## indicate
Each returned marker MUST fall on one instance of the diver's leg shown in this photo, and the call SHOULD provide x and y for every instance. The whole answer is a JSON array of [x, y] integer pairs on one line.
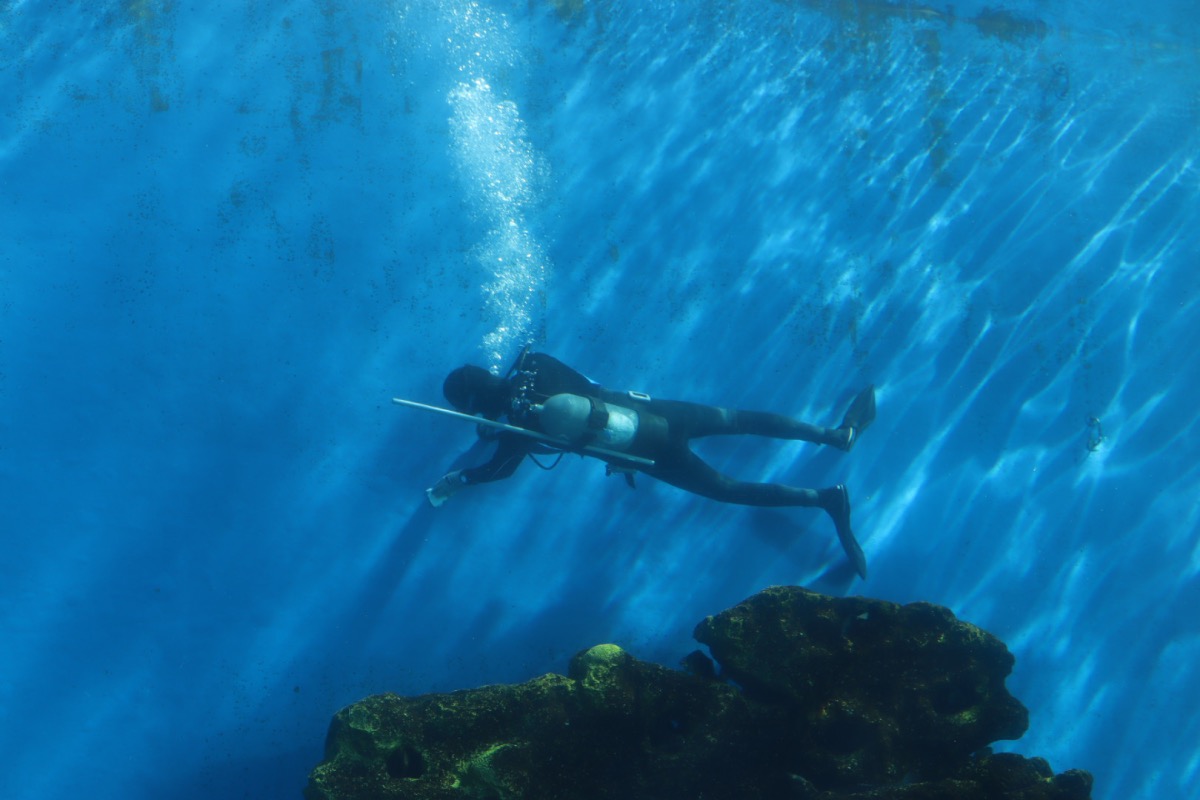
[[694, 421], [777, 426], [689, 472]]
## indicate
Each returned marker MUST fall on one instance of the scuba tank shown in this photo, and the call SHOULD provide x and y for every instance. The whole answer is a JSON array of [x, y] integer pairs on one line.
[[583, 421]]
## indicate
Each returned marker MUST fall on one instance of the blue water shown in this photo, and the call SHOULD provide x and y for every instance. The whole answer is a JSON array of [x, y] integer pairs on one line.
[[230, 233]]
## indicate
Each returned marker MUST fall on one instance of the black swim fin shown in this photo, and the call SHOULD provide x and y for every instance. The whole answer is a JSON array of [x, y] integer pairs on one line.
[[836, 501], [859, 416]]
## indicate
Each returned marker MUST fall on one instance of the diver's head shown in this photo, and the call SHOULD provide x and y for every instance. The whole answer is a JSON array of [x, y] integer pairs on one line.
[[474, 390]]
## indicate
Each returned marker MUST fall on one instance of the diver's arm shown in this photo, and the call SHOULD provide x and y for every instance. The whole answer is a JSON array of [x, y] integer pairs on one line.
[[509, 455]]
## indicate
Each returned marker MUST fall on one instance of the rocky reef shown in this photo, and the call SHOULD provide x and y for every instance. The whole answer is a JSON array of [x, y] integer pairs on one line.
[[816, 698]]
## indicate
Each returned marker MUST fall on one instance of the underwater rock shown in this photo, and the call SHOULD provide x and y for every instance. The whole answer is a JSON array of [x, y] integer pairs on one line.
[[878, 690], [835, 698], [613, 727]]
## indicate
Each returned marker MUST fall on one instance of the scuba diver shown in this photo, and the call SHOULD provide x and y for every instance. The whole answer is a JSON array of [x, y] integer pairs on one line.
[[554, 409]]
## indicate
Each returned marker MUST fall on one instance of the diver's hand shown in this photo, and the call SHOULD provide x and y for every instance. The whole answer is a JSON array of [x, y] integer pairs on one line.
[[444, 489]]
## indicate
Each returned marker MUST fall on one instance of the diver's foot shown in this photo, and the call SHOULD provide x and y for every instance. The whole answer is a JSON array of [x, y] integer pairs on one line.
[[846, 438], [836, 502], [858, 417]]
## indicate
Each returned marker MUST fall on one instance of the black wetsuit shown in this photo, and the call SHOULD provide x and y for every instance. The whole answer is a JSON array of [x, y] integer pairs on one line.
[[538, 376]]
